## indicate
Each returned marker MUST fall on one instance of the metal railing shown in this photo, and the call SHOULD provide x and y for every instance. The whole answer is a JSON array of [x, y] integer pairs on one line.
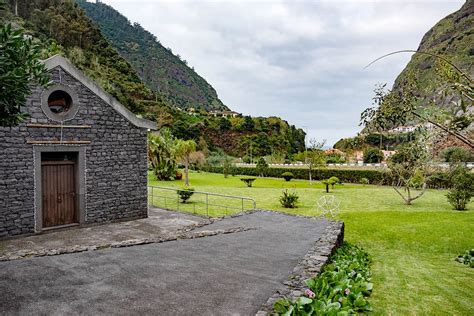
[[202, 203]]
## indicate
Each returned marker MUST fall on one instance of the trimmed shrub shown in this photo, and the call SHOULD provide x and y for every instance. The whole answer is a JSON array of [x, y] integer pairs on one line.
[[364, 181], [185, 193], [287, 176], [334, 180], [289, 199], [248, 181]]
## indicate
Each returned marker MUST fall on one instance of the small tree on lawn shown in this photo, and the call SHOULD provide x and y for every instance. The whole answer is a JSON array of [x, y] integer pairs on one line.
[[184, 148], [227, 165], [315, 156], [408, 168], [261, 167], [330, 182], [462, 190]]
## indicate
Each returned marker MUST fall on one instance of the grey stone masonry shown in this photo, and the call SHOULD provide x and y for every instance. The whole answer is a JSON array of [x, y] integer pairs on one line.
[[115, 160]]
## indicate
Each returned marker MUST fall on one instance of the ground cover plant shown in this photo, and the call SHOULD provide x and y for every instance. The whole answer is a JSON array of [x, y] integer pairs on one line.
[[289, 199], [412, 247], [342, 287], [467, 258]]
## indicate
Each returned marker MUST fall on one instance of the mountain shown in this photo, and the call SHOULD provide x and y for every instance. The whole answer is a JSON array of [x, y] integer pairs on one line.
[[452, 37], [156, 65], [62, 27]]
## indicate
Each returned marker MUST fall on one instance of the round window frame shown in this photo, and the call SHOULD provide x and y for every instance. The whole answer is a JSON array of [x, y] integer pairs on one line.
[[70, 113]]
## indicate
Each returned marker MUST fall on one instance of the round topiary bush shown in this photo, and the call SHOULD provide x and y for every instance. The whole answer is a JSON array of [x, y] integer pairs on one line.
[[185, 193], [287, 176], [364, 181]]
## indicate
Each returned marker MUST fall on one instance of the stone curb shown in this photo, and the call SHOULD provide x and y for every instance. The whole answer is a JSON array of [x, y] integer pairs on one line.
[[309, 267], [184, 233]]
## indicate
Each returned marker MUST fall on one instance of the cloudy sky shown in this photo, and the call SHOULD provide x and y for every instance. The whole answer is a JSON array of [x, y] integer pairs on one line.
[[301, 60]]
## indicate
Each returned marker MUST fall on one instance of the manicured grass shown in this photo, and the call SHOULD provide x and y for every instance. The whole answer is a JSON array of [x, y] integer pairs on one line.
[[413, 247]]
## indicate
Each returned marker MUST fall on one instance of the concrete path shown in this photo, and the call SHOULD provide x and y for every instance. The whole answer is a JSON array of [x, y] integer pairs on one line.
[[227, 274], [159, 223]]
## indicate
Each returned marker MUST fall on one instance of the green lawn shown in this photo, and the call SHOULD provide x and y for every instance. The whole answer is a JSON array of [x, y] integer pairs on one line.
[[413, 247]]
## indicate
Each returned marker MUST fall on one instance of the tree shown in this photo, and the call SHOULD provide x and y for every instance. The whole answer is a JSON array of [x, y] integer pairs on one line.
[[394, 108], [373, 155], [20, 69], [224, 124], [329, 182], [314, 156], [226, 165], [184, 148], [456, 155], [261, 167], [162, 154], [462, 189], [197, 160], [248, 124], [408, 169]]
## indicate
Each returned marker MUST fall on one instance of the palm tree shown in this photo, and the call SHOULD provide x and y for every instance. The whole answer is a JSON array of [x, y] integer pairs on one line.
[[161, 153], [183, 149]]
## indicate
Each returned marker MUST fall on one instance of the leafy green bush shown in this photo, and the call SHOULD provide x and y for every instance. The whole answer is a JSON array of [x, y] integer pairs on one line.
[[341, 288], [457, 154], [287, 176], [373, 155], [467, 258], [289, 199], [462, 189], [364, 181], [248, 181], [185, 193]]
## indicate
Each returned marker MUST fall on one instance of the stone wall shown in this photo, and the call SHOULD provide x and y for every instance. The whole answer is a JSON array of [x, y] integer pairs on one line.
[[116, 161]]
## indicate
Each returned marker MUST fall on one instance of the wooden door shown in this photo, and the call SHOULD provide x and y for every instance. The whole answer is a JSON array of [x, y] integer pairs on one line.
[[58, 193]]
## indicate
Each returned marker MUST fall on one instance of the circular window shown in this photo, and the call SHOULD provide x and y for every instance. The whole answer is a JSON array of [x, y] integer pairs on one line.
[[59, 103]]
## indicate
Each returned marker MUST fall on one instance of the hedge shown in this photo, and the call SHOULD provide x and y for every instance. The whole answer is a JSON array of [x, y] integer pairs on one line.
[[345, 175], [381, 177]]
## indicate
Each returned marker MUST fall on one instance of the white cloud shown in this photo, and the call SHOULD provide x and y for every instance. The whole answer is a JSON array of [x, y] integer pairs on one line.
[[301, 60]]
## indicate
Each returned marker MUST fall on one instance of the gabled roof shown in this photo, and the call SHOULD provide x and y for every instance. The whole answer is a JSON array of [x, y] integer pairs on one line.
[[67, 66]]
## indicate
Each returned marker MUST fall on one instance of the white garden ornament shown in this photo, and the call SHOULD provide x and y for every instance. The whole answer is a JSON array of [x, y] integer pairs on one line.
[[328, 205]]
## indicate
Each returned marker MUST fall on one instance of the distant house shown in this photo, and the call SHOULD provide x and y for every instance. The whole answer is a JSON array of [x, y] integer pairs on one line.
[[334, 151], [192, 111], [410, 128], [80, 158], [226, 114]]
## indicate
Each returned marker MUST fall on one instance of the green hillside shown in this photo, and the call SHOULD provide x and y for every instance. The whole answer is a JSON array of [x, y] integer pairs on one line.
[[452, 37], [62, 27], [158, 67]]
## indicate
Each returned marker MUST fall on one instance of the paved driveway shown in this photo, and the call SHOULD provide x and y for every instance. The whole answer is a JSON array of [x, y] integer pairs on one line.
[[227, 274]]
